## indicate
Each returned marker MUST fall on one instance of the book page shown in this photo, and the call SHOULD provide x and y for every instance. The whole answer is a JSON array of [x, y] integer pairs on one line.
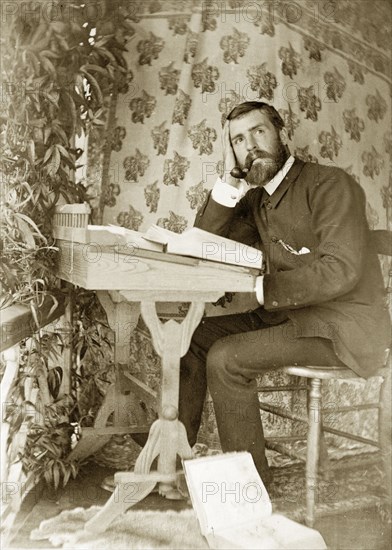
[[117, 235], [207, 246], [226, 490], [275, 531]]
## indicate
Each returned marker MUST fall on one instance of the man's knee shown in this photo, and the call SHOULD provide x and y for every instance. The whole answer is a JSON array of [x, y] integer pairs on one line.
[[218, 360]]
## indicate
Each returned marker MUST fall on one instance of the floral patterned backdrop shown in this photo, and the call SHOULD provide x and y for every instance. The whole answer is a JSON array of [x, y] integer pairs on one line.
[[326, 66]]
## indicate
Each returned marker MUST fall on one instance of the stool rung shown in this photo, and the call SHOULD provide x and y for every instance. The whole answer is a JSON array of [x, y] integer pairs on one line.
[[290, 387], [281, 412], [346, 465], [350, 408], [282, 449], [292, 416], [286, 438], [353, 437]]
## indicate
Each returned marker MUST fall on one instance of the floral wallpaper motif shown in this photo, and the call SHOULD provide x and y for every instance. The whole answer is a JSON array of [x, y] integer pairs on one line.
[[149, 49], [291, 60], [135, 166], [336, 84], [309, 103], [330, 143], [234, 46], [262, 81], [168, 78], [353, 124], [202, 137], [324, 65], [142, 107], [204, 76], [160, 136], [152, 194]]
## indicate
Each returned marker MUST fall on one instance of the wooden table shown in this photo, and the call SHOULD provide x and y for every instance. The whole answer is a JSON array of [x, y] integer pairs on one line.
[[129, 285]]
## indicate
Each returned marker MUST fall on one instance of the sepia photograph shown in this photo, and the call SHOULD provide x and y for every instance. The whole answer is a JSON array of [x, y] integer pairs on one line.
[[196, 274]]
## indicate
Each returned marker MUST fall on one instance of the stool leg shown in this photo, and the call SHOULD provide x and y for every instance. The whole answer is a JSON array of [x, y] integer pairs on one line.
[[385, 435], [312, 458], [324, 462]]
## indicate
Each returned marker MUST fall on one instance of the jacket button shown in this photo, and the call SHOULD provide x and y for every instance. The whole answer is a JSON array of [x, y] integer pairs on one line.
[[268, 205], [274, 239], [274, 303]]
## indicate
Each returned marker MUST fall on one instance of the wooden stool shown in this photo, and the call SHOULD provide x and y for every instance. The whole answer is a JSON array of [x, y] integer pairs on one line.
[[315, 376]]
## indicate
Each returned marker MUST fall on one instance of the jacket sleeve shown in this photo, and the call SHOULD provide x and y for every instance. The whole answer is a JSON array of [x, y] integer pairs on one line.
[[234, 223], [338, 218]]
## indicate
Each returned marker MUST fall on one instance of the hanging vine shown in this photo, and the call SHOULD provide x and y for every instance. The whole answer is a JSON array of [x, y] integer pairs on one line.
[[61, 64]]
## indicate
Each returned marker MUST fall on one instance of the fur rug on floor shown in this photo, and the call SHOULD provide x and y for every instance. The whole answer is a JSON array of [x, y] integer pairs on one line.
[[137, 529], [354, 486]]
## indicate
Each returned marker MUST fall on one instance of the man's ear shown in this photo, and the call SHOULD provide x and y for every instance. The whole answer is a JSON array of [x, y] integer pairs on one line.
[[284, 135]]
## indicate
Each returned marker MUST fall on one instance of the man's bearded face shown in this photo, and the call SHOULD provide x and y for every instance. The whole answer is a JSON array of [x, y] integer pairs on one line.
[[264, 166], [257, 146]]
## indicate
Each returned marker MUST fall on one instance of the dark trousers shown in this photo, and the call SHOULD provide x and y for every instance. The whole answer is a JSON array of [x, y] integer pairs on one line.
[[226, 354]]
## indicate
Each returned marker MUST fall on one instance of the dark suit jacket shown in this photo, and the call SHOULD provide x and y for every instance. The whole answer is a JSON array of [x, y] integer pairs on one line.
[[336, 291]]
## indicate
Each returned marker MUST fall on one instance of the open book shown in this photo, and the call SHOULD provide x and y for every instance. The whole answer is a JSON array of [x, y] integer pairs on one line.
[[208, 246], [193, 242], [234, 509]]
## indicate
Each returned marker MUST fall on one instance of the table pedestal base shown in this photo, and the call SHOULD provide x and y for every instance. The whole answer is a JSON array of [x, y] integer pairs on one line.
[[132, 487], [167, 437]]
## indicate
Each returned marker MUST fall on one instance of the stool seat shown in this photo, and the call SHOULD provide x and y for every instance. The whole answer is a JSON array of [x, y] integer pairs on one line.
[[323, 373], [326, 373]]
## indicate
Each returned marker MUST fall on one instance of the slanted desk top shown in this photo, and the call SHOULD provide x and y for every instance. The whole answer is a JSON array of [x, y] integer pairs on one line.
[[99, 260]]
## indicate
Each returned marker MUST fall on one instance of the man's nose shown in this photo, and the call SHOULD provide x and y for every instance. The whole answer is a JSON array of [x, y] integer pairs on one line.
[[250, 143]]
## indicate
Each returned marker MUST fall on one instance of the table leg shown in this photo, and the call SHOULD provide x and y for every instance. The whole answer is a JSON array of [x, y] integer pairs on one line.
[[167, 437], [122, 318]]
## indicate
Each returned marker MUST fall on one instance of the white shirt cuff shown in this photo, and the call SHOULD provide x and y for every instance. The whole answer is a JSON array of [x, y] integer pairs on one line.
[[226, 194], [259, 289]]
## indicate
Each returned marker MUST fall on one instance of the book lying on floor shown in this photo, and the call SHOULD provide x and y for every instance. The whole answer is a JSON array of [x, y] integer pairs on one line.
[[234, 509], [193, 242]]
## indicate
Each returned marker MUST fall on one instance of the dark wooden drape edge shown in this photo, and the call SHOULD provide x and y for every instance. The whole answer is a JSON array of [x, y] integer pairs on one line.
[[17, 321]]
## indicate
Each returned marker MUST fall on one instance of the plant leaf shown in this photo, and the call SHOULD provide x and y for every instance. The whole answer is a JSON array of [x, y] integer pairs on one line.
[[30, 222], [54, 162], [92, 67], [56, 475], [26, 232], [48, 154]]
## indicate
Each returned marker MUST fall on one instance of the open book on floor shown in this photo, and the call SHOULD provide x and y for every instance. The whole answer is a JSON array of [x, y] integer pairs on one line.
[[234, 509], [193, 242]]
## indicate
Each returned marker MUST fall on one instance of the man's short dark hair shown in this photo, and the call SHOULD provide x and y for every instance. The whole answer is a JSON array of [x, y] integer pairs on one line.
[[248, 106]]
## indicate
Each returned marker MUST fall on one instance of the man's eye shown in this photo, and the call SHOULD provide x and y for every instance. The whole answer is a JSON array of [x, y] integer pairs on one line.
[[238, 140], [259, 131]]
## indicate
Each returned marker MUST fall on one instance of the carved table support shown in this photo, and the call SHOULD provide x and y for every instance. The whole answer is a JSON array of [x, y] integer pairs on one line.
[[167, 436], [122, 318]]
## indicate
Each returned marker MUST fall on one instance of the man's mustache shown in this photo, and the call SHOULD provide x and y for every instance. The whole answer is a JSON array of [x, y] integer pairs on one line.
[[238, 172], [253, 155]]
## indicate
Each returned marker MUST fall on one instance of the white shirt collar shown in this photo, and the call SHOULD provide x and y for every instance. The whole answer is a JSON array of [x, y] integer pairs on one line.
[[273, 184]]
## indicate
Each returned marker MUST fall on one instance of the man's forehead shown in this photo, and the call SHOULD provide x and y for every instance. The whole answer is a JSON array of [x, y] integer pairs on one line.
[[248, 120]]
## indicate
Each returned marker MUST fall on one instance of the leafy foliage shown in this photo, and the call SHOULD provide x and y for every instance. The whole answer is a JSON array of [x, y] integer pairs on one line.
[[59, 71], [93, 371], [57, 76]]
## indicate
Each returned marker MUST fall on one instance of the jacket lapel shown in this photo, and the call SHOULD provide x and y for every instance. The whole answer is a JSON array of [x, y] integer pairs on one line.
[[291, 176]]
